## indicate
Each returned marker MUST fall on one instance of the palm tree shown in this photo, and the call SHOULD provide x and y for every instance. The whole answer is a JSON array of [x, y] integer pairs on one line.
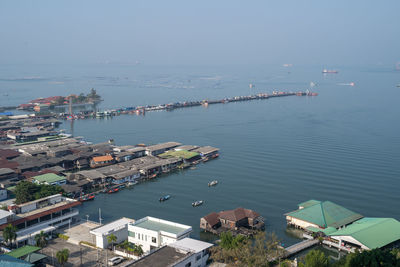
[[10, 233], [112, 239], [41, 239], [138, 251], [62, 256]]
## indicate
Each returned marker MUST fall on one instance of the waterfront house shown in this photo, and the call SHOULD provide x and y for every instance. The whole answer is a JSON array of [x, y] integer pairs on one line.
[[45, 214], [101, 161], [185, 155], [93, 176], [152, 233], [315, 214], [8, 154], [367, 234], [207, 152], [119, 228], [125, 176], [182, 253], [232, 220], [155, 150], [49, 179]]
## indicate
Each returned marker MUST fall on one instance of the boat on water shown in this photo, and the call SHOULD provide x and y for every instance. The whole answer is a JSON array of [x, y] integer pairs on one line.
[[398, 85], [164, 198], [329, 71], [131, 183], [86, 197], [213, 183], [99, 114], [112, 190], [197, 203]]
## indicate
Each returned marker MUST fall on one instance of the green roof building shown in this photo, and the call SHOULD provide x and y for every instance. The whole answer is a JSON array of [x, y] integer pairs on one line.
[[49, 179], [369, 233], [23, 251], [321, 214], [182, 154]]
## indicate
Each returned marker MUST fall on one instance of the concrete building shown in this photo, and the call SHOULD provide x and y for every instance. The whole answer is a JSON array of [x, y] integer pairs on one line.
[[45, 214], [152, 233], [183, 253], [125, 176], [119, 228], [321, 214], [161, 148]]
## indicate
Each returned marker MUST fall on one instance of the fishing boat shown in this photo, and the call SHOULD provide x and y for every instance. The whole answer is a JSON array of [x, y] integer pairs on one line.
[[164, 198], [197, 203], [112, 190], [153, 176], [99, 114], [86, 197], [131, 183], [213, 183]]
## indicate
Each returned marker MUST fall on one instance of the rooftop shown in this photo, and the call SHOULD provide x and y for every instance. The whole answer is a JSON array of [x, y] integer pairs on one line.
[[190, 244], [205, 149], [325, 214], [155, 224], [372, 232], [112, 226], [165, 256], [4, 171], [48, 178], [184, 154], [103, 158], [163, 146], [23, 251], [9, 261]]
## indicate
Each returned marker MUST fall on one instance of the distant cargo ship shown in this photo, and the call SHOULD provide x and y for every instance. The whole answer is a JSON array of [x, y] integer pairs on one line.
[[329, 71]]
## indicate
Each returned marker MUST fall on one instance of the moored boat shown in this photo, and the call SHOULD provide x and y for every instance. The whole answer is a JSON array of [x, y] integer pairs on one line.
[[164, 198], [329, 71], [197, 203], [86, 197], [112, 190]]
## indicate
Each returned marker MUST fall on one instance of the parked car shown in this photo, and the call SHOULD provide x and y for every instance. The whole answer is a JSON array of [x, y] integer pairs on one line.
[[115, 261]]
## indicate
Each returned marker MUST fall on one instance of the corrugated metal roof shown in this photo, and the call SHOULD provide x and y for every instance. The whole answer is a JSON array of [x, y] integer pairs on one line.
[[326, 214], [372, 232], [23, 251], [49, 178]]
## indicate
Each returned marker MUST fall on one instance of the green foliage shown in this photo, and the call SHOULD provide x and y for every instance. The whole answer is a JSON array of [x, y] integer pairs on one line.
[[41, 239], [112, 239], [10, 233], [373, 258], [240, 251], [93, 94], [4, 207], [62, 256], [87, 243], [26, 191], [65, 237], [316, 258]]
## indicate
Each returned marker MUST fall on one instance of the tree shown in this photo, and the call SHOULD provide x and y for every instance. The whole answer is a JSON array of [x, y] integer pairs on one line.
[[24, 192], [10, 233], [138, 251], [376, 258], [316, 258], [112, 239], [41, 239], [62, 256]]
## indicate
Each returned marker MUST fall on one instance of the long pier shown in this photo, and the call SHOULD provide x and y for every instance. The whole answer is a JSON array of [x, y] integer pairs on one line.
[[143, 109]]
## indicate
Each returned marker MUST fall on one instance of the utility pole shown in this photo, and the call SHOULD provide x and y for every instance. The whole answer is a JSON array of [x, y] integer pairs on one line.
[[100, 219]]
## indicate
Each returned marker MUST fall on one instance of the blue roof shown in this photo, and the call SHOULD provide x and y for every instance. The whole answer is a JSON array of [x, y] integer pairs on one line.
[[8, 261]]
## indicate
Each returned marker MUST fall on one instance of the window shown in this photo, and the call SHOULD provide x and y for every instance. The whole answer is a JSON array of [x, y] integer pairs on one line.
[[138, 236], [145, 238], [198, 257], [132, 234], [188, 264], [154, 240]]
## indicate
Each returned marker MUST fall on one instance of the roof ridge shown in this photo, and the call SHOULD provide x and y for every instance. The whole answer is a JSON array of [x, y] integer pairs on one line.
[[371, 225], [323, 213]]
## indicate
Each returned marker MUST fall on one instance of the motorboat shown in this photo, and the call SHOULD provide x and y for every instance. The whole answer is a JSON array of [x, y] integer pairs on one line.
[[197, 203], [213, 183], [164, 198]]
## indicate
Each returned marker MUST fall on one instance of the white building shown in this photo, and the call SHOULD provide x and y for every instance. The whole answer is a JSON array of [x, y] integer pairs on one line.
[[119, 228], [183, 253], [153, 233], [45, 214]]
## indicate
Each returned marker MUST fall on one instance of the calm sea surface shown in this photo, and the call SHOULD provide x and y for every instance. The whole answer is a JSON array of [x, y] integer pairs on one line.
[[342, 145]]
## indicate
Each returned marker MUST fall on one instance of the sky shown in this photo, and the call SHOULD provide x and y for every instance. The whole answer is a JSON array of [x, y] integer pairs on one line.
[[218, 32]]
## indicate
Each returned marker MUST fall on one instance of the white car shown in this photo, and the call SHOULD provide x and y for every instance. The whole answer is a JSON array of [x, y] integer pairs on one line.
[[115, 261]]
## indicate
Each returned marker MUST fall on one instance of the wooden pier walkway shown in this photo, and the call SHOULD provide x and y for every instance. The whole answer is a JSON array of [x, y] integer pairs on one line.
[[289, 251]]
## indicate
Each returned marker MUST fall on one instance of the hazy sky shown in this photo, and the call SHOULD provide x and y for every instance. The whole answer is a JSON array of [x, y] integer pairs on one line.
[[200, 32]]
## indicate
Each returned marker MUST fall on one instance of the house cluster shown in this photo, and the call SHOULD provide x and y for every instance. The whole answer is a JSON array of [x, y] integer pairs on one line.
[[78, 166], [164, 243], [343, 228], [238, 221]]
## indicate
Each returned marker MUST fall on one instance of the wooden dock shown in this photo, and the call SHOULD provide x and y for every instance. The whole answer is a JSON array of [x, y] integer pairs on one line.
[[289, 251]]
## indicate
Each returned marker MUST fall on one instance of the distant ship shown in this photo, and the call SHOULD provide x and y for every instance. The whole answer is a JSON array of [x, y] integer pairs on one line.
[[329, 71]]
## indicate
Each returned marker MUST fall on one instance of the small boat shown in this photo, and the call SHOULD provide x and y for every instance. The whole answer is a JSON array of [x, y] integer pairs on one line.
[[86, 197], [113, 190], [398, 85], [164, 198], [153, 176], [329, 71], [131, 183], [99, 114], [197, 203], [212, 183]]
